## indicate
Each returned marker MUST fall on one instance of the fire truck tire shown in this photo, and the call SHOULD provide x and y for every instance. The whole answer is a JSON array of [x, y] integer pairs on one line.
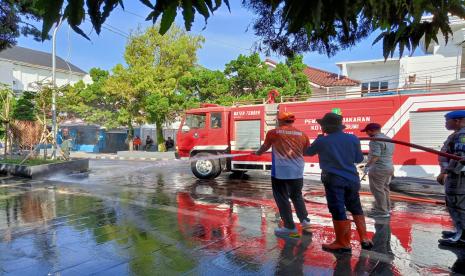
[[206, 169]]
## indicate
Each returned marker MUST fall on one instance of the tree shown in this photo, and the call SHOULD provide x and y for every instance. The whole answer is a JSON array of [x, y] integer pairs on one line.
[[204, 85], [285, 26], [251, 78], [289, 78], [25, 108], [90, 102], [156, 64], [6, 104], [128, 101], [13, 15], [247, 74]]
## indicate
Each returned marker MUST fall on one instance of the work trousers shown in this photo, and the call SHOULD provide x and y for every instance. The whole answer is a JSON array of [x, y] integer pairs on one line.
[[379, 187], [341, 194], [455, 199], [283, 189], [456, 207]]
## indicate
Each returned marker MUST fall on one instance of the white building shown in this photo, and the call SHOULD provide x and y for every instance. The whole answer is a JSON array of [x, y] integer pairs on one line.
[[22, 68], [441, 64]]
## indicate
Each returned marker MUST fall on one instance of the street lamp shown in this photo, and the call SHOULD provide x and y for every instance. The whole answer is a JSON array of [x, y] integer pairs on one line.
[[54, 85]]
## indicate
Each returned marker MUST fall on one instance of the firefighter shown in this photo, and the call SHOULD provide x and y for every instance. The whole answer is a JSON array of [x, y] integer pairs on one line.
[[287, 167], [338, 152], [453, 177], [380, 170]]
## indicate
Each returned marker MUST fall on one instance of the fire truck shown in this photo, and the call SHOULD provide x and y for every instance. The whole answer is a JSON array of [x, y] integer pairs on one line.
[[411, 115]]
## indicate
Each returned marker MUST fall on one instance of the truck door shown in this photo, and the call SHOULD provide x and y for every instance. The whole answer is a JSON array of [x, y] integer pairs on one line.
[[193, 133], [218, 131]]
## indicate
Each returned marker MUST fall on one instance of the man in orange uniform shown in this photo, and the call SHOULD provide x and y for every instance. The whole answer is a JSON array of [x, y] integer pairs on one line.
[[287, 169]]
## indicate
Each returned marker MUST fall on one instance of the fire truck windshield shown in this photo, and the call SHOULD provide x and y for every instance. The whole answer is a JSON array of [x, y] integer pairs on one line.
[[195, 121]]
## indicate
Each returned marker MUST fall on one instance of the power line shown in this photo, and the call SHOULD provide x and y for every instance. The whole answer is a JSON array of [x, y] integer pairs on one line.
[[135, 14], [389, 78], [210, 39], [115, 30]]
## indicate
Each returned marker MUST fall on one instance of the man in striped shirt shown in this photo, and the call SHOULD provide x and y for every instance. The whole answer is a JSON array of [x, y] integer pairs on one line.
[[288, 146]]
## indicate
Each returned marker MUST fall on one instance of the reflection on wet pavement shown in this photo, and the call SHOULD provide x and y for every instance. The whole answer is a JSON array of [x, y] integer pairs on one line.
[[136, 218]]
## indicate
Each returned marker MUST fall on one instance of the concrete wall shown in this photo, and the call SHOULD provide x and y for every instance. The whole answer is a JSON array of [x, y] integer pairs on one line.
[[6, 73], [22, 77], [375, 71], [440, 64]]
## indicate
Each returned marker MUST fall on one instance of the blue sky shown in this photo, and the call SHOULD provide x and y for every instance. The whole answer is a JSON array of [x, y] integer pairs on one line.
[[226, 37]]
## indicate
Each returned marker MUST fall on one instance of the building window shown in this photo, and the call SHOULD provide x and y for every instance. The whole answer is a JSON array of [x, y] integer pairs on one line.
[[374, 87], [383, 86], [365, 87]]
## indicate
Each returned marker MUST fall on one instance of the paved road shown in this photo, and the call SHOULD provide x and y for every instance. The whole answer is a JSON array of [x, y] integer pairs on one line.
[[155, 218]]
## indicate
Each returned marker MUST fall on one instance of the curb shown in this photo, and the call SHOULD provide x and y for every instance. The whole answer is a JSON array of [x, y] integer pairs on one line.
[[129, 158]]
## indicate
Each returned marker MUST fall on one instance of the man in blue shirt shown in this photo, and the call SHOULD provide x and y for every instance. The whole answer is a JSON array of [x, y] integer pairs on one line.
[[338, 152]]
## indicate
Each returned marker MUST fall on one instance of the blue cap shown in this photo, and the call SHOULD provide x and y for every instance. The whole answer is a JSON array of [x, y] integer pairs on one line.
[[457, 114]]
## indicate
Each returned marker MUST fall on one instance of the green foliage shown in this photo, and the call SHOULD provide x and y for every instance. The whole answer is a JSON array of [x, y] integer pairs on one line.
[[6, 107], [13, 14], [247, 74], [90, 102], [245, 78], [156, 64], [203, 85], [25, 108], [31, 161], [288, 78], [286, 27]]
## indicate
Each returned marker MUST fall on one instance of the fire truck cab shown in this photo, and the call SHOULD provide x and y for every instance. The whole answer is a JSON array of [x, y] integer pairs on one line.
[[205, 131], [411, 116]]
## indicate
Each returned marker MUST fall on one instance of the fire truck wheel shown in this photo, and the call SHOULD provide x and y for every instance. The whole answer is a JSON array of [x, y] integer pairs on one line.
[[206, 169]]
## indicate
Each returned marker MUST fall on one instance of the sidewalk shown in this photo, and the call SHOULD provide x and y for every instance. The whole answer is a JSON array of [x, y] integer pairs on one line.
[[126, 155]]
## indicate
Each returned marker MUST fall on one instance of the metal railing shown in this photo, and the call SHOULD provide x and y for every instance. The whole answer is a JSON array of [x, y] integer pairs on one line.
[[339, 94], [427, 89]]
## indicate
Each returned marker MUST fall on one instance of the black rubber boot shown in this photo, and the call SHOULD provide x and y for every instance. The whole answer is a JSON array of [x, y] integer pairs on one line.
[[448, 234], [454, 241]]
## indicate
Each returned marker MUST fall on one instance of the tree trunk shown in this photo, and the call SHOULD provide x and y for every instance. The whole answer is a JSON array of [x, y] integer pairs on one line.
[[130, 136], [160, 138], [6, 141], [10, 139]]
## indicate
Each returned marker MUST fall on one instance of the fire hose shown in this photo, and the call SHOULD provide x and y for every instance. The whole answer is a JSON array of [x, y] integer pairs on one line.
[[426, 149], [444, 154]]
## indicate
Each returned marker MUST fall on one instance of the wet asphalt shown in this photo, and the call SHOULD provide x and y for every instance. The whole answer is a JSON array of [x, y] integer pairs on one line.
[[156, 218]]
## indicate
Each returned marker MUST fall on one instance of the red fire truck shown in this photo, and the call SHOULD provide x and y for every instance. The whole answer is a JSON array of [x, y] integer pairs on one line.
[[415, 116]]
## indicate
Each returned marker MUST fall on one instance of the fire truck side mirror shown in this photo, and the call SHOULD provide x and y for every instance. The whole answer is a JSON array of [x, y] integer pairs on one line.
[[185, 128]]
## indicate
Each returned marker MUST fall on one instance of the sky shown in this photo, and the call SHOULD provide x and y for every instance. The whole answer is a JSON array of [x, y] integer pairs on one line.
[[227, 35]]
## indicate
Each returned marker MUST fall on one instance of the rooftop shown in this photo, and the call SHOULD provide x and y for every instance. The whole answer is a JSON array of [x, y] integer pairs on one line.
[[322, 77], [34, 57], [381, 60]]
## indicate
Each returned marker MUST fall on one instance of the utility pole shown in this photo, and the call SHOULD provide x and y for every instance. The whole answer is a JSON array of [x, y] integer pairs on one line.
[[54, 85]]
